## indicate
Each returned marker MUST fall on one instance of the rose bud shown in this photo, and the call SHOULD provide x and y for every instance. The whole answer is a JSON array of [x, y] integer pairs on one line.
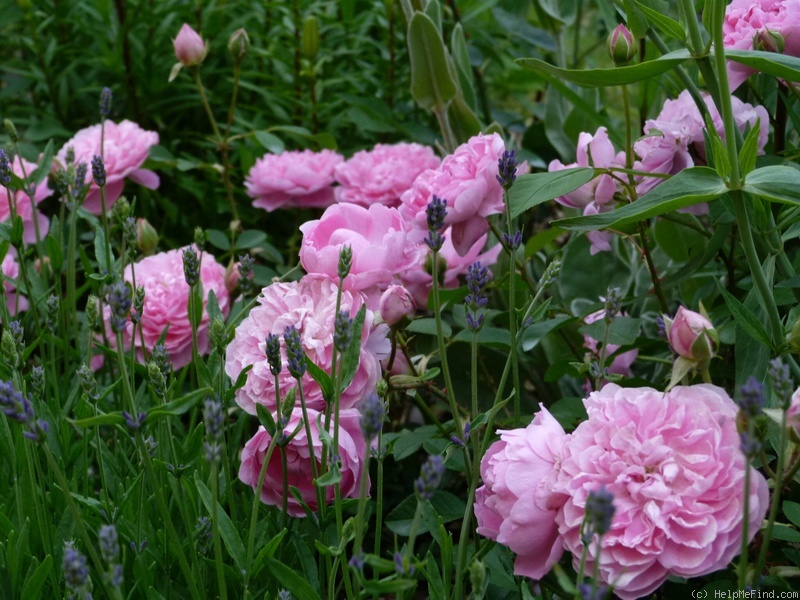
[[769, 41], [396, 304], [621, 45], [691, 335], [190, 48], [239, 44], [146, 237]]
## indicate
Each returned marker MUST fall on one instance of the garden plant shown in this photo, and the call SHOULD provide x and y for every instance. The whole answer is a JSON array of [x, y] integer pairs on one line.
[[439, 299]]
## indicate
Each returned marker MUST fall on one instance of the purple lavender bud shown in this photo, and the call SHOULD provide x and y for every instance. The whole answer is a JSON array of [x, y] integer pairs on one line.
[[781, 381], [160, 357], [430, 477], [436, 212], [15, 406], [749, 445], [599, 512], [134, 422], [138, 305], [285, 595], [434, 240], [357, 561], [345, 261], [99, 170], [245, 268], [475, 321], [342, 330], [507, 169], [79, 185], [613, 303], [115, 577], [118, 298], [662, 328], [191, 266], [5, 169], [592, 592], [203, 533], [372, 415], [88, 383], [273, 351], [751, 399], [477, 278], [105, 102], [294, 352], [37, 380], [76, 571], [512, 241], [109, 544], [53, 307], [214, 419]]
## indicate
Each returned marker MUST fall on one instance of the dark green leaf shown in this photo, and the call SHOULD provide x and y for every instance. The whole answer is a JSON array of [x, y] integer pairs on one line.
[[427, 326], [777, 183], [114, 418], [227, 531], [785, 533], [623, 331], [446, 505], [610, 77], [669, 26], [531, 190], [268, 551], [33, 586], [352, 355], [291, 580], [432, 80], [747, 155], [55, 253], [250, 238], [270, 141], [265, 418], [792, 511], [534, 333], [322, 378], [332, 477], [745, 318], [690, 186], [778, 65], [218, 239], [179, 406], [409, 442], [496, 337]]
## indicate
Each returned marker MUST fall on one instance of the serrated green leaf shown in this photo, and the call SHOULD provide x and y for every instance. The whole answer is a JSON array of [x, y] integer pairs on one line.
[[610, 77], [690, 186], [432, 81], [531, 190]]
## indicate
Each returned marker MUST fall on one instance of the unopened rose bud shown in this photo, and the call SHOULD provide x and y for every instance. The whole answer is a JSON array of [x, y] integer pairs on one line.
[[691, 335], [396, 303], [146, 237], [621, 45], [309, 40], [190, 48], [769, 41], [239, 44]]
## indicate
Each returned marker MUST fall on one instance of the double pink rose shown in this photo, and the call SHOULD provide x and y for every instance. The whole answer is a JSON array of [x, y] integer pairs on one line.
[[352, 449], [467, 179], [25, 205], [125, 148], [310, 306], [166, 303], [293, 179], [378, 237], [381, 175]]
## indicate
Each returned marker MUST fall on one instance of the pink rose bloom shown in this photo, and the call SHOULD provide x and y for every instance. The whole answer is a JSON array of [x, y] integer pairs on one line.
[[792, 414], [352, 449], [515, 506], [467, 179], [381, 175], [14, 301], [744, 19], [621, 365], [673, 463], [691, 335], [24, 206], [418, 280], [125, 148], [166, 304], [310, 306], [600, 240], [678, 129], [293, 179], [190, 49], [593, 151], [377, 236]]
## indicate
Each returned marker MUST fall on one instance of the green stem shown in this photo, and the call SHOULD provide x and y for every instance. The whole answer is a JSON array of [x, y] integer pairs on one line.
[[215, 530], [776, 498], [251, 536], [743, 556], [360, 521]]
